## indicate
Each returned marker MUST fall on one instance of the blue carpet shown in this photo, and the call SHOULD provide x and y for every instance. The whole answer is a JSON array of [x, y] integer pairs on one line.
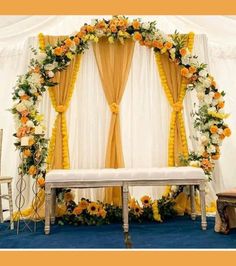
[[178, 232]]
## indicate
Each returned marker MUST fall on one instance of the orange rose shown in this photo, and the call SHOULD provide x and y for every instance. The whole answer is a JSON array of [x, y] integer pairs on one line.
[[227, 132], [113, 28], [215, 157], [41, 181], [76, 40], [68, 42], [221, 105], [158, 44], [206, 164], [121, 23], [36, 69], [24, 113], [21, 132], [137, 36], [81, 34], [141, 42], [183, 51], [31, 142], [222, 136], [58, 51], [213, 83], [192, 69], [168, 45], [148, 43], [32, 170], [217, 95], [24, 97], [136, 24], [90, 28], [213, 129], [184, 71], [24, 119], [27, 153], [205, 154]]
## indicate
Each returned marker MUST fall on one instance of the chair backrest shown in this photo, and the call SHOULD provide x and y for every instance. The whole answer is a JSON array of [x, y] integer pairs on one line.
[[1, 133]]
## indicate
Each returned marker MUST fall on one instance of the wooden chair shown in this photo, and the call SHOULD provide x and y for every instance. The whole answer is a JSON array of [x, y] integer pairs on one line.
[[8, 181], [226, 203]]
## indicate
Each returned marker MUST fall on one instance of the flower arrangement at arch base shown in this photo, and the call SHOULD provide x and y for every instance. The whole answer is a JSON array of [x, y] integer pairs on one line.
[[88, 212]]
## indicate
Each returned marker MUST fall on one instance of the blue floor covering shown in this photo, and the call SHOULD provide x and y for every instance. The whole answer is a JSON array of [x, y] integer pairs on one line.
[[179, 232]]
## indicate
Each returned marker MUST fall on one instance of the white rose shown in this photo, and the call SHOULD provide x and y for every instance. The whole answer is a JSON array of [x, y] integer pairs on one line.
[[174, 188], [203, 73], [21, 93], [34, 79], [211, 109], [50, 74], [199, 87], [39, 98], [200, 95], [21, 107], [33, 89], [201, 150], [214, 102], [204, 140], [29, 123], [220, 131], [211, 94], [194, 163], [207, 99], [185, 60], [40, 57], [93, 22], [27, 103], [215, 138], [211, 149], [51, 67], [146, 25], [194, 61]]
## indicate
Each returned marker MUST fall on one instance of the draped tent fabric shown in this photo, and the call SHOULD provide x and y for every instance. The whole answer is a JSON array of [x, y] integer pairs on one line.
[[84, 144], [113, 61], [60, 95]]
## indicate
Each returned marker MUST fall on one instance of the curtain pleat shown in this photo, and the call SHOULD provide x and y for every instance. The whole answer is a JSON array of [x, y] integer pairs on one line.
[[114, 61]]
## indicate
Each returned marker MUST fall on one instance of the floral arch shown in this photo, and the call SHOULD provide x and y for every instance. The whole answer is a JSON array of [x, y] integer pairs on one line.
[[52, 59]]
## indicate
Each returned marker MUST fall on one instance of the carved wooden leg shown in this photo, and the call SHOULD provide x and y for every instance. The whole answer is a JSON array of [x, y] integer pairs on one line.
[[53, 206], [47, 209], [192, 202], [203, 206], [1, 211], [125, 209], [9, 185], [221, 207]]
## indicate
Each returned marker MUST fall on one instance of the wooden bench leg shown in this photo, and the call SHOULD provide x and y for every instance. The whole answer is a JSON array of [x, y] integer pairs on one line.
[[203, 206], [1, 210], [192, 202], [9, 185], [47, 209], [53, 205], [125, 209]]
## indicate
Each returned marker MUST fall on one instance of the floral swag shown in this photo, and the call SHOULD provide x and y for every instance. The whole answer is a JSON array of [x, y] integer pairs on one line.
[[208, 118]]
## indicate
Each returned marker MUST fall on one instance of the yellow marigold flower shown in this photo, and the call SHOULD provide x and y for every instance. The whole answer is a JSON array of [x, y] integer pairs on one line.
[[92, 208], [146, 201]]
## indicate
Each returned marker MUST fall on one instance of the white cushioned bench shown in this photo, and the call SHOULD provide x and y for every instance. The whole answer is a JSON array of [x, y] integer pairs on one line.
[[123, 177]]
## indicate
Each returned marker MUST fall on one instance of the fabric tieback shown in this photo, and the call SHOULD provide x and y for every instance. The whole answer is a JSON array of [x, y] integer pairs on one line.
[[60, 108], [177, 107], [114, 107]]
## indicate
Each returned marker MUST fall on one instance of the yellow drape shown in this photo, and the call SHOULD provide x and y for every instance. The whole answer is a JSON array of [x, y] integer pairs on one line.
[[60, 95], [114, 62], [175, 88]]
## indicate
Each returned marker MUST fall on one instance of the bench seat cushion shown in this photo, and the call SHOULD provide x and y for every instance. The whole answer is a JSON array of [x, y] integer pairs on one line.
[[125, 174]]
